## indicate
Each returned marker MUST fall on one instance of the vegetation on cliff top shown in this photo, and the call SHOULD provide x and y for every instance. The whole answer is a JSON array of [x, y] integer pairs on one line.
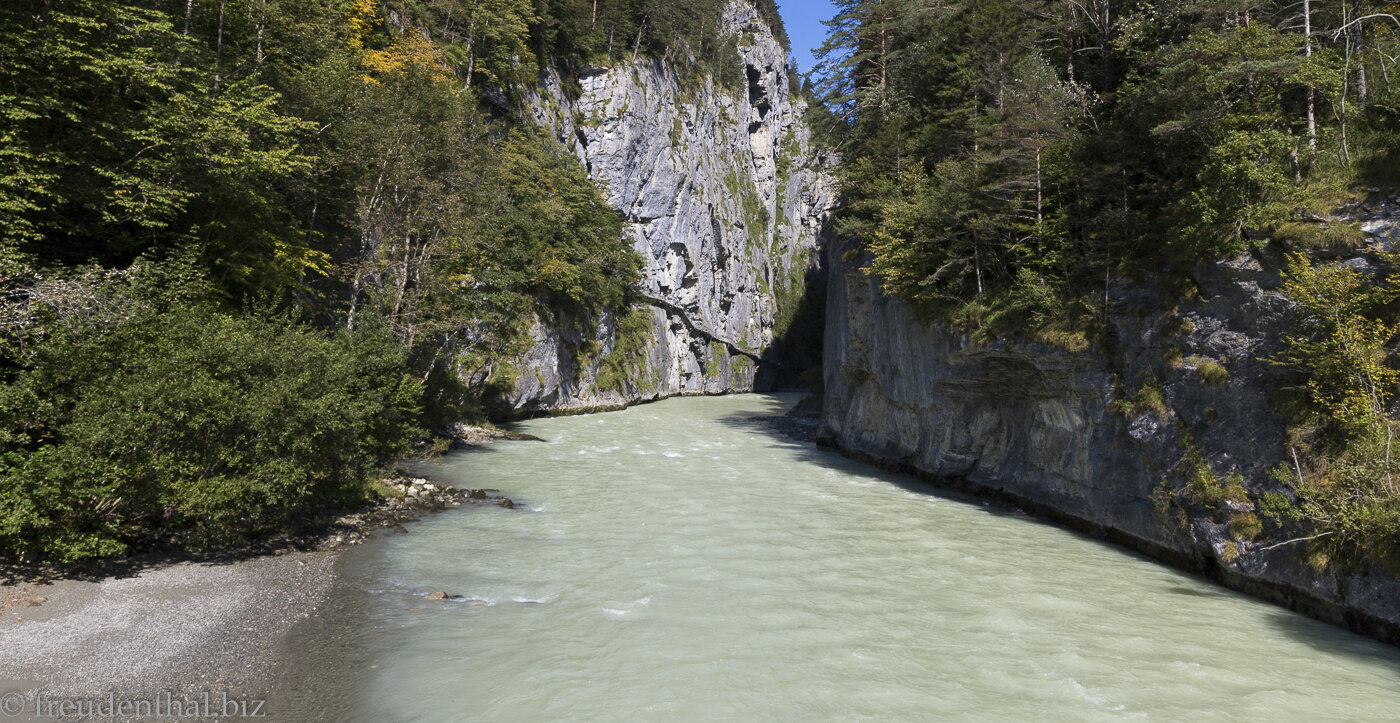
[[1006, 160]]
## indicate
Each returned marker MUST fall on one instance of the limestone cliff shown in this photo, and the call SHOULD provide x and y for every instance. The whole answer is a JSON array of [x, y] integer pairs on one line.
[[1039, 426], [725, 199]]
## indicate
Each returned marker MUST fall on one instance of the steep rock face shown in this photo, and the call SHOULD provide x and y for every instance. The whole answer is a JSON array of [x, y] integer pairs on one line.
[[1038, 426], [724, 198]]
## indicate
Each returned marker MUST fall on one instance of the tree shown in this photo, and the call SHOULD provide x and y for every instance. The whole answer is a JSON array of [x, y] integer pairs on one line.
[[1037, 111], [121, 141], [1340, 343], [1216, 111]]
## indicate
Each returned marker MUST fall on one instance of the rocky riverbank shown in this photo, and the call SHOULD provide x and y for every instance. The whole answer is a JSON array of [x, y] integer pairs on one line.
[[409, 500], [164, 632]]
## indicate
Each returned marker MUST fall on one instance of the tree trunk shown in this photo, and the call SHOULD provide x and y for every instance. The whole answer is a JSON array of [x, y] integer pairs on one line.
[[1360, 31], [1039, 199], [1069, 42], [1312, 95], [884, 73], [1346, 81], [262, 22], [638, 45], [1104, 54], [219, 43], [471, 56]]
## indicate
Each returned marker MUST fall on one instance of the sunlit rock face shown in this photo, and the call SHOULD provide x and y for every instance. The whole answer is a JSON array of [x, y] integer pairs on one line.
[[725, 198]]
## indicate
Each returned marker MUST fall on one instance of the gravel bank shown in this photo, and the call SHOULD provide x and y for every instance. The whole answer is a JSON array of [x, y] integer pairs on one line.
[[182, 629]]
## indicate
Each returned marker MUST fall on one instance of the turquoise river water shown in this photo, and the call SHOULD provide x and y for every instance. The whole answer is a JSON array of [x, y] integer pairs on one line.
[[678, 561]]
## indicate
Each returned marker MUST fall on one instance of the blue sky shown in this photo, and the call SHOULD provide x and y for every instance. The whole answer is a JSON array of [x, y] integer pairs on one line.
[[803, 19]]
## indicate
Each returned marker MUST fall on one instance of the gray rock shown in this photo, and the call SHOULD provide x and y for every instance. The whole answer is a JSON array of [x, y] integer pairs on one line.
[[725, 199], [1037, 425]]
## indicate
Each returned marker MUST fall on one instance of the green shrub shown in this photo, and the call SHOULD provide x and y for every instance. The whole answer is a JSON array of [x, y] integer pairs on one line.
[[1178, 326], [1212, 373], [1229, 552], [194, 428], [1245, 526], [1299, 234], [1348, 504], [1150, 397], [627, 362], [1203, 487]]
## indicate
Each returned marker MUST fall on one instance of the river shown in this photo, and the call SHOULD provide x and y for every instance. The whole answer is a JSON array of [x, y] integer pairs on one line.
[[678, 561]]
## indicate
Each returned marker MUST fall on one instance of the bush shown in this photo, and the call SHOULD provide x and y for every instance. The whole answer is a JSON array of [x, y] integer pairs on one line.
[[1178, 326], [1212, 373], [1245, 526], [193, 427], [1150, 397], [1348, 504]]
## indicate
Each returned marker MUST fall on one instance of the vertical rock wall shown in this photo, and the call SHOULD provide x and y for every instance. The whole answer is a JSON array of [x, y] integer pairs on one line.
[[1039, 426], [725, 199]]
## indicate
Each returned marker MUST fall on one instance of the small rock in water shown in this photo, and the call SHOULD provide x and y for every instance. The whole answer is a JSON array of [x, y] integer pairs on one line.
[[400, 530], [436, 596], [506, 503]]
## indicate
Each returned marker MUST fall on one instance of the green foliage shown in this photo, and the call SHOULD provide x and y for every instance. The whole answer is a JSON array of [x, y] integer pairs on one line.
[[123, 136], [1341, 343], [715, 360], [556, 229], [353, 162], [756, 215], [1210, 372], [1302, 235], [686, 33], [1245, 526], [627, 363], [1150, 397], [992, 144], [1178, 326], [1207, 489], [1166, 510], [1005, 163], [1210, 106], [196, 427], [1345, 506], [1344, 498], [1196, 489]]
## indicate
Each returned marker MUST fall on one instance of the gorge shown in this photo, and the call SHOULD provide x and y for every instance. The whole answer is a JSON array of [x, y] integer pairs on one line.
[[1023, 359], [1014, 418]]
